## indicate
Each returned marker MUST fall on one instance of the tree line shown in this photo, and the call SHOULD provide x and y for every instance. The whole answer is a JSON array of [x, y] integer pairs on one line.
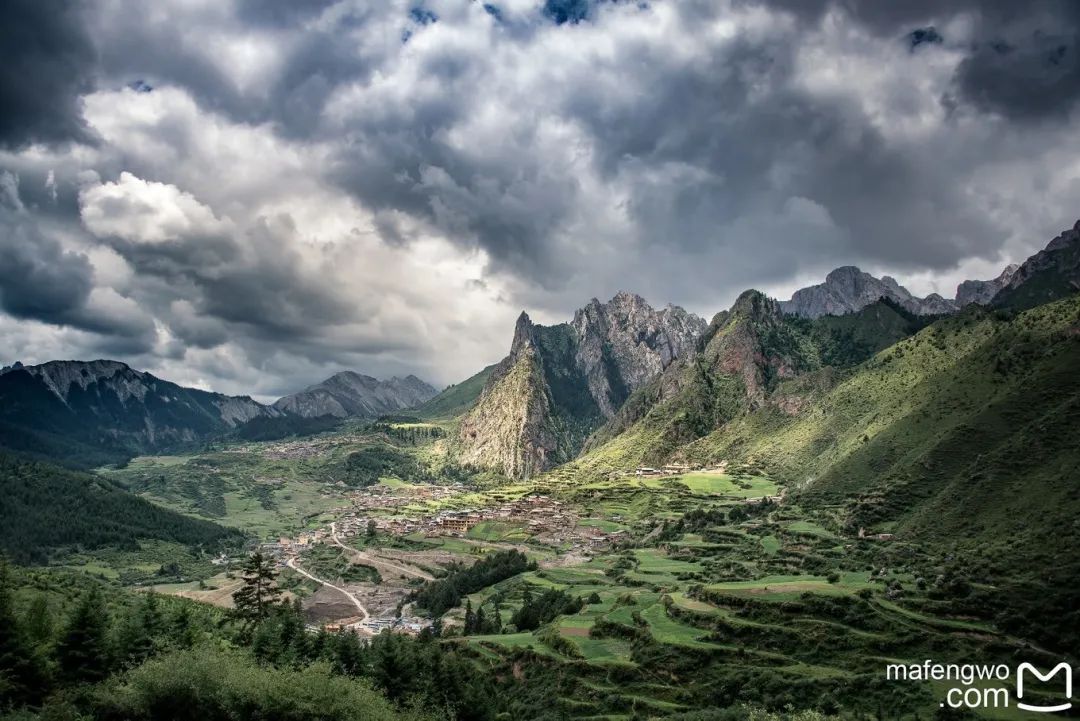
[[45, 509], [439, 596]]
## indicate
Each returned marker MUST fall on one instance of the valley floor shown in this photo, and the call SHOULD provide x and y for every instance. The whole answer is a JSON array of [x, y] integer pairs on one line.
[[704, 589]]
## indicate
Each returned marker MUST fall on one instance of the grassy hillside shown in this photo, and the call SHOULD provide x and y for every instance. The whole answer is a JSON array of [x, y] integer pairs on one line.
[[961, 438], [46, 511], [965, 427], [752, 357], [961, 431], [454, 400]]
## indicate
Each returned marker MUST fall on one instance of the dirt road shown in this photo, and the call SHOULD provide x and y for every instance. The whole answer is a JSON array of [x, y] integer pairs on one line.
[[379, 563], [291, 563]]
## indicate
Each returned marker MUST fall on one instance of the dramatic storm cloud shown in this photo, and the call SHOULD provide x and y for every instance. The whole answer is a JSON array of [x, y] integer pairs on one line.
[[251, 195]]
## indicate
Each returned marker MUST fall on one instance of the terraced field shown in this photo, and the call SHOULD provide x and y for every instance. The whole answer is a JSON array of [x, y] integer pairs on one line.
[[717, 594]]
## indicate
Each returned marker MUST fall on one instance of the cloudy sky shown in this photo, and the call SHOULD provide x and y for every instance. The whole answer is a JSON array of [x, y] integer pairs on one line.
[[247, 195]]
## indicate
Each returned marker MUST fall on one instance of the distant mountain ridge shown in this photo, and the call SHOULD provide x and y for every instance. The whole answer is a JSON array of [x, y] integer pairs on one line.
[[105, 411], [1052, 273], [765, 354], [848, 289], [984, 291], [349, 394], [561, 382]]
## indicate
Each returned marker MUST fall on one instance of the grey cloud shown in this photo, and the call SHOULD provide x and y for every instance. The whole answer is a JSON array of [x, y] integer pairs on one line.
[[280, 13], [1024, 62], [714, 130], [668, 157], [314, 58], [48, 64], [38, 278], [41, 280], [1038, 77]]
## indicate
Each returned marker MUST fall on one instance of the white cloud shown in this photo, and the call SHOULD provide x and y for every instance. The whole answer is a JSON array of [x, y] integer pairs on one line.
[[139, 211], [313, 191]]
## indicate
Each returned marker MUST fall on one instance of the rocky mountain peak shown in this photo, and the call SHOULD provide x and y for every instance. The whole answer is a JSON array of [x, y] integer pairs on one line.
[[538, 406], [755, 304], [348, 393], [1066, 239], [848, 289], [628, 336], [983, 291], [17, 365], [1051, 273], [61, 376], [523, 333]]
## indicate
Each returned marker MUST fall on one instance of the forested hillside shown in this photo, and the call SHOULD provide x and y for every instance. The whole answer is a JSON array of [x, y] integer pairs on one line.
[[46, 510]]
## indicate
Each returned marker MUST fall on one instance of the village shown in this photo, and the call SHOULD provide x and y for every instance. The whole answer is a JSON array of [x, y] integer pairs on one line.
[[382, 510], [539, 518]]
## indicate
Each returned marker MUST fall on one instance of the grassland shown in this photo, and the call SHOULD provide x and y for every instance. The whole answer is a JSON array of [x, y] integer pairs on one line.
[[957, 443], [777, 601]]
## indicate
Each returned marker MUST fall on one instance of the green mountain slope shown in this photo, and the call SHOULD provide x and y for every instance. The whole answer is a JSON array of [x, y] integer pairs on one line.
[[966, 431], [748, 355], [516, 404], [46, 510], [454, 400]]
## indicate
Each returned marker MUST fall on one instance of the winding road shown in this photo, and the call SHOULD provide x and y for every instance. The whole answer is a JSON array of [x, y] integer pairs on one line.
[[377, 562], [291, 563]]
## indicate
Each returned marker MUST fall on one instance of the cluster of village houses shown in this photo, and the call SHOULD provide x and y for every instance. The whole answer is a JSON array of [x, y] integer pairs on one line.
[[541, 517], [671, 469], [374, 626]]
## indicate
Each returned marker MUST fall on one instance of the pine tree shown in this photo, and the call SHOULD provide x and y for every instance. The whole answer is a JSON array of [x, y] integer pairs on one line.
[[182, 628], [21, 675], [319, 647], [83, 650], [39, 623], [348, 655], [470, 619], [140, 632], [259, 594], [480, 623]]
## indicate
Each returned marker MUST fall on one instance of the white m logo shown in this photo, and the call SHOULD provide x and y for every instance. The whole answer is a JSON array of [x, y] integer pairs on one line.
[[1053, 672]]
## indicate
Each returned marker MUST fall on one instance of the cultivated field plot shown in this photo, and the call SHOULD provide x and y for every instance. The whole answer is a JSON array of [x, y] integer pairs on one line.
[[722, 484]]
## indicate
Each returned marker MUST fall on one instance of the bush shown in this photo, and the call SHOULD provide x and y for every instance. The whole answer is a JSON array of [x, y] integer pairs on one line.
[[207, 684]]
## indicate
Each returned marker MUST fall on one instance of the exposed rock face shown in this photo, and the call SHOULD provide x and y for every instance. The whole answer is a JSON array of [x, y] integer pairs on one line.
[[751, 356], [983, 291], [1052, 273], [349, 394], [561, 382], [627, 335], [110, 404], [513, 427], [847, 289]]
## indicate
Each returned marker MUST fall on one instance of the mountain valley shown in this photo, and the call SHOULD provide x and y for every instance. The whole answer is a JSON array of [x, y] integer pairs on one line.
[[636, 514]]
